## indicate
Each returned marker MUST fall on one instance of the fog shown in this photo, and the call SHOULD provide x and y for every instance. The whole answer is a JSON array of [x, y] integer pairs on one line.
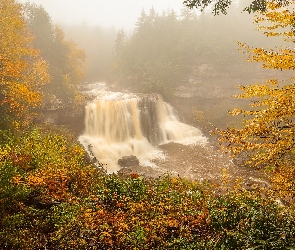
[[153, 47], [118, 14]]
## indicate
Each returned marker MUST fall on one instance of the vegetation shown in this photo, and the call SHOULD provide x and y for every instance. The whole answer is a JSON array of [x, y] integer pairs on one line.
[[22, 71], [64, 58], [151, 62], [221, 6], [165, 51], [267, 134], [37, 65], [98, 44], [53, 197]]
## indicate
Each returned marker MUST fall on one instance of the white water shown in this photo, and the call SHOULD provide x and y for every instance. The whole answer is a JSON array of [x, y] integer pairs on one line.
[[118, 124]]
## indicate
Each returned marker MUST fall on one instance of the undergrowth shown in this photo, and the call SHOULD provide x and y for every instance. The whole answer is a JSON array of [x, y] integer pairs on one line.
[[52, 197]]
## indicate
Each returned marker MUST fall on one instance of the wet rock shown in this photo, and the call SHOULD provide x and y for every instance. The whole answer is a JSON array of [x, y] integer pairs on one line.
[[128, 161], [125, 173], [39, 202]]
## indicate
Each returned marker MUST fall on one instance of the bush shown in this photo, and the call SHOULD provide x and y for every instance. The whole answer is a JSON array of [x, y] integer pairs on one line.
[[52, 198]]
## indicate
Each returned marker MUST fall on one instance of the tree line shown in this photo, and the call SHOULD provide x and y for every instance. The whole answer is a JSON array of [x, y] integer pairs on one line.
[[53, 197], [167, 50]]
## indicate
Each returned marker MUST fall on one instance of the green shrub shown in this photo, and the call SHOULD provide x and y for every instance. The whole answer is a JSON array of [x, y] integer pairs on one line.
[[51, 197]]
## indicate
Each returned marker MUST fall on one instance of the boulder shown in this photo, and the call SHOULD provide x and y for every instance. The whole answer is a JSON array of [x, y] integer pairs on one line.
[[128, 161], [125, 173]]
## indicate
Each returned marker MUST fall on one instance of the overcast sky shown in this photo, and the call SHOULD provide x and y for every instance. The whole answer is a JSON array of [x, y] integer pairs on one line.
[[116, 13]]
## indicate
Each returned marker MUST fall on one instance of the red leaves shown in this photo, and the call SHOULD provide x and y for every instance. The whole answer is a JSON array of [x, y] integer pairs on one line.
[[21, 160]]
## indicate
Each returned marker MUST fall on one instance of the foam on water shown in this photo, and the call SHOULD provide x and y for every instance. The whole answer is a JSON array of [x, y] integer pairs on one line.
[[119, 124]]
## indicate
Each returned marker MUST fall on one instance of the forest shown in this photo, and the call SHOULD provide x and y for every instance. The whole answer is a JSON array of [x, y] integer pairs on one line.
[[54, 196]]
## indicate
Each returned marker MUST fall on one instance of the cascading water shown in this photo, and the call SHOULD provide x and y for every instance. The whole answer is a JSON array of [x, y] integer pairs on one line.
[[118, 125]]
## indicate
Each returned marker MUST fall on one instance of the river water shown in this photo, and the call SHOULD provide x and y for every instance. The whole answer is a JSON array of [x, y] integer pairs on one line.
[[121, 124]]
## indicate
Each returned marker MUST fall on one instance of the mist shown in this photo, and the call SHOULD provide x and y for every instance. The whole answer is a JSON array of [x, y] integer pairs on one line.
[[117, 14], [183, 51], [163, 47], [146, 125]]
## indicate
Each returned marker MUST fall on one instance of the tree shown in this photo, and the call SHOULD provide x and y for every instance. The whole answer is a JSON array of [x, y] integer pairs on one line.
[[141, 20], [268, 132], [120, 42], [157, 56], [22, 71], [40, 25], [65, 59], [164, 54], [221, 6]]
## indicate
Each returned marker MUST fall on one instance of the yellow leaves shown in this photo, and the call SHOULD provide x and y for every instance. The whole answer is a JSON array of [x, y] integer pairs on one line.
[[105, 234], [50, 165], [174, 181], [21, 73], [277, 21], [283, 182], [272, 82], [258, 50], [281, 59], [272, 5], [77, 150], [255, 90], [37, 74], [16, 180], [19, 96], [236, 112], [172, 223], [4, 152], [267, 135], [35, 181], [66, 65], [55, 182]]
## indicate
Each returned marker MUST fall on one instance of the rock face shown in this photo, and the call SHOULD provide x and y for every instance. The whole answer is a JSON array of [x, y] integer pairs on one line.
[[68, 117], [128, 161]]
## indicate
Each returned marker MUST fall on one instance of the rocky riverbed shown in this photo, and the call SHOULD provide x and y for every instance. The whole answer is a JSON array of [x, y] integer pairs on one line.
[[195, 162]]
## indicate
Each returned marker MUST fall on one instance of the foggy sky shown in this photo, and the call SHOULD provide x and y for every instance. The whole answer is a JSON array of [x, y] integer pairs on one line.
[[115, 13]]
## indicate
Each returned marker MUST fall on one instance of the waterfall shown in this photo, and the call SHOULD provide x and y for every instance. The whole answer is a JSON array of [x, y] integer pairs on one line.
[[118, 125]]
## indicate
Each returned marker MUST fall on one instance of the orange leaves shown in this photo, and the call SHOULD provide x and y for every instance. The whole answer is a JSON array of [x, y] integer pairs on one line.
[[50, 165], [167, 208], [17, 180], [20, 160], [19, 96], [21, 72], [54, 182], [72, 205], [134, 175]]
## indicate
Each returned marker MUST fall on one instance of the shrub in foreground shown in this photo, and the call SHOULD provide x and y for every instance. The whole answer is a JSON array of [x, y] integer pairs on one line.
[[52, 198]]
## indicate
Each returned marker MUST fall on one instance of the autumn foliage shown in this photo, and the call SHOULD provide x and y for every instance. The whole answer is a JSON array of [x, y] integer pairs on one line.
[[65, 60], [266, 138], [22, 71], [52, 197]]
